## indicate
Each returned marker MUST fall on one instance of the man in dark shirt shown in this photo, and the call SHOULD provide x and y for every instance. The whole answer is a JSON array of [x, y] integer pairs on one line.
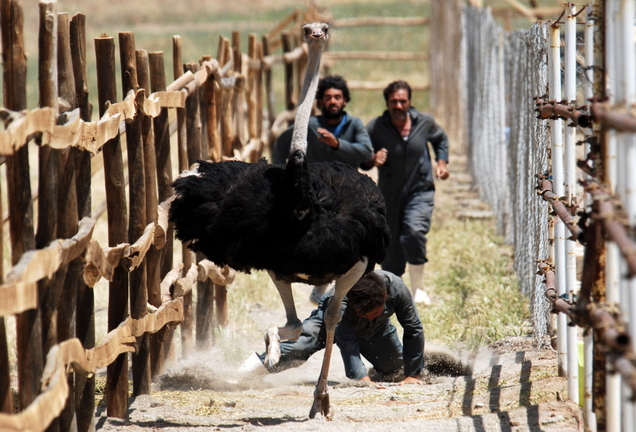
[[333, 136], [400, 138], [364, 331]]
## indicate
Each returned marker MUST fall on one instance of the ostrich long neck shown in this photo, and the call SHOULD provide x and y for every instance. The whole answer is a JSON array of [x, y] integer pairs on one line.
[[306, 102]]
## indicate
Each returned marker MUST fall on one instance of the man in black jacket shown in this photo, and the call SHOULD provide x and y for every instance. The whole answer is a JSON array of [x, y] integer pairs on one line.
[[400, 138], [333, 136]]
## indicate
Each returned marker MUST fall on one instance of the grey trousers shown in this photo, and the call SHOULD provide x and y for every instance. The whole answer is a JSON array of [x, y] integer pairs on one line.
[[408, 235]]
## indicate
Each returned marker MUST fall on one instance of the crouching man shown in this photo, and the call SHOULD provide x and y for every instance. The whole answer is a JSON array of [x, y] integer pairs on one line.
[[364, 331]]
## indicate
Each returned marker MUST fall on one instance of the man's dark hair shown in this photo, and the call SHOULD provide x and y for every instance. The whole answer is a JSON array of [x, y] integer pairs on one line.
[[395, 86], [368, 293], [333, 81]]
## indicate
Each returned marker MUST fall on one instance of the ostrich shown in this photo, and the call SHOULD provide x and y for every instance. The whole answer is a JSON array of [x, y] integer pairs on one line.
[[310, 223]]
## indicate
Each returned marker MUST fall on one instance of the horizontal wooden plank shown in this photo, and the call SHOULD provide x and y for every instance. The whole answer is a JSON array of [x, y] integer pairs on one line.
[[219, 275], [19, 292], [184, 285]]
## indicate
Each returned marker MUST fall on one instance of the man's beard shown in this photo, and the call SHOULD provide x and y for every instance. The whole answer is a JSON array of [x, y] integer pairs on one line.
[[398, 115], [329, 115]]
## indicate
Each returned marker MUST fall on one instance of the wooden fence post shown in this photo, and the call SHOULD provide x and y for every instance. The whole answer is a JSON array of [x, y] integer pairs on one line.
[[227, 126], [193, 121], [288, 76], [137, 219], [85, 318], [213, 149], [48, 164], [269, 89], [67, 217], [259, 98], [153, 269], [117, 372], [238, 93], [29, 346], [161, 347], [186, 326]]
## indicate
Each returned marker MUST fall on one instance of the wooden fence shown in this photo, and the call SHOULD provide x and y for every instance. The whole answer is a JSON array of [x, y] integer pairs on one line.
[[216, 107]]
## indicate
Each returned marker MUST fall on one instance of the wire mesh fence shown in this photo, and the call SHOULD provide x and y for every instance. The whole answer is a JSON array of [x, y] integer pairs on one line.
[[507, 144]]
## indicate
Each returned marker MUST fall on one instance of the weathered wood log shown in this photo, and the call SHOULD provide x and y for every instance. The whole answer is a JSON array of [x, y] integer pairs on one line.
[[204, 312], [153, 269], [135, 253], [193, 121], [48, 160], [227, 125], [253, 80], [117, 372], [288, 76], [48, 170], [102, 262], [259, 100], [269, 90], [168, 281], [161, 129], [212, 100], [184, 285], [67, 278], [219, 275], [85, 331], [6, 395], [153, 104], [137, 216], [19, 197], [164, 164], [238, 95], [182, 148]]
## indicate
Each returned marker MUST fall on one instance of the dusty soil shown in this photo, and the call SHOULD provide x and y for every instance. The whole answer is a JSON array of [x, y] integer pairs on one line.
[[512, 387]]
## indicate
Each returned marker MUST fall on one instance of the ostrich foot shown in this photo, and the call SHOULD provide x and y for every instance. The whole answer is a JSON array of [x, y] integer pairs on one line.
[[321, 404], [291, 330], [272, 347]]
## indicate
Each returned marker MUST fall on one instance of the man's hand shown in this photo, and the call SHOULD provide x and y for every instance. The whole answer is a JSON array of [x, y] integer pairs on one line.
[[375, 384], [380, 157], [327, 137], [442, 171], [411, 380]]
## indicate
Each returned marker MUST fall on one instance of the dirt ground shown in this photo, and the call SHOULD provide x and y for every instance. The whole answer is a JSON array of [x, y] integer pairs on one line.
[[511, 385]]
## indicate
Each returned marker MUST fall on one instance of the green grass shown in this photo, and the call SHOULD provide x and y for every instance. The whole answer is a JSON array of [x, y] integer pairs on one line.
[[475, 295]]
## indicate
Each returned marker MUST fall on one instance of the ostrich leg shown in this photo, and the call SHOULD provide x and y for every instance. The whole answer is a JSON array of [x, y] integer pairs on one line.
[[332, 317], [294, 326]]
